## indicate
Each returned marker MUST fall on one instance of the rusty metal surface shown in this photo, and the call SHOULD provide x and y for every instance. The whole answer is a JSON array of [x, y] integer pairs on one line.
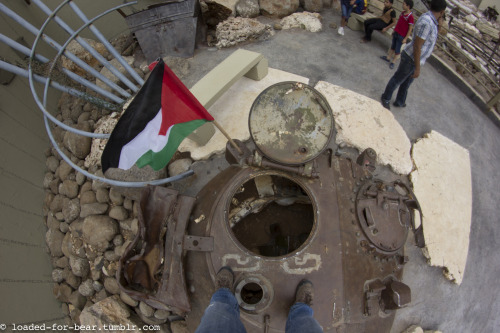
[[151, 268], [169, 29], [291, 123], [335, 256], [274, 223], [280, 214], [383, 216]]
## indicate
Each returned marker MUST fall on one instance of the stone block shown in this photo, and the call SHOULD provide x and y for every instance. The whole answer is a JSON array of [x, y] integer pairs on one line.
[[442, 183], [362, 122], [231, 111]]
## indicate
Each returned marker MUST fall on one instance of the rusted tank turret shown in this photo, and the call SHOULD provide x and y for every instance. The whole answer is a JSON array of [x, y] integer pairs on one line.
[[290, 208]]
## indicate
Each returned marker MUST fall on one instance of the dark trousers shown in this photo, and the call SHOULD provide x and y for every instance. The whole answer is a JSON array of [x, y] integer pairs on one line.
[[402, 79], [373, 24]]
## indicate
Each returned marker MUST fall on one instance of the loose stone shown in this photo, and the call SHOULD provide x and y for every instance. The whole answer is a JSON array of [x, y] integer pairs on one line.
[[88, 197], [146, 309], [69, 188], [128, 300], [102, 195], [99, 230], [80, 178], [54, 239], [57, 275], [97, 286], [64, 227], [162, 314], [87, 288], [77, 299], [71, 209], [71, 279], [118, 213], [62, 262], [79, 267], [52, 163], [62, 292], [115, 197], [111, 285], [93, 209]]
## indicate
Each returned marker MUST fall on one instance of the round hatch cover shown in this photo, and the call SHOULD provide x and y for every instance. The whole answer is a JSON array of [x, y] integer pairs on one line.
[[291, 123]]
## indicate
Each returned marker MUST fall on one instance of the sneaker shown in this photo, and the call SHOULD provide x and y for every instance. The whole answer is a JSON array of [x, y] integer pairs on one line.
[[304, 292], [385, 58], [225, 278], [385, 104], [391, 65], [341, 31], [396, 104]]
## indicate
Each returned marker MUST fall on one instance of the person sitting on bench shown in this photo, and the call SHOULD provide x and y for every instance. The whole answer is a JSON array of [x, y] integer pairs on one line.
[[383, 23]]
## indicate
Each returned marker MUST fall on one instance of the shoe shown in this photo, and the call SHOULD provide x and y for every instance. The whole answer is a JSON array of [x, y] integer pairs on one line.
[[391, 65], [364, 40], [341, 31], [224, 278], [304, 292], [399, 105], [385, 104], [385, 58]]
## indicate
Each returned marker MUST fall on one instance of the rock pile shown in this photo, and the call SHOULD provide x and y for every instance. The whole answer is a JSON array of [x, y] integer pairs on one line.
[[468, 45], [90, 224], [229, 21], [237, 30]]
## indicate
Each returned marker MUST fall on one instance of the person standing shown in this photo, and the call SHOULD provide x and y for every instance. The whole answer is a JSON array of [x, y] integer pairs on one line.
[[383, 23], [401, 33], [415, 54], [346, 6], [223, 314]]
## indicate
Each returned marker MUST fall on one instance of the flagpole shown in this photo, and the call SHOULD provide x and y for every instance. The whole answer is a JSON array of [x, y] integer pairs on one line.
[[228, 137]]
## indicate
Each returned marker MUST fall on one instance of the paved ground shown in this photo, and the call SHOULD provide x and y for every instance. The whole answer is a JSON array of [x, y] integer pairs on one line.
[[433, 104]]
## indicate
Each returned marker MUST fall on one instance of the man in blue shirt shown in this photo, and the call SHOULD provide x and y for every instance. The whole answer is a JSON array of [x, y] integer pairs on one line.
[[415, 54]]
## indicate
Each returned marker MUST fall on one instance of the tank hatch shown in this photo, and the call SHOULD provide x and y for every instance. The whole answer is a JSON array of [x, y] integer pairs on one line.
[[291, 123]]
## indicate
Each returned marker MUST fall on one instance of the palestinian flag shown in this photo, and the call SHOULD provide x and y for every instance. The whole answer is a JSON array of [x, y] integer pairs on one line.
[[153, 126]]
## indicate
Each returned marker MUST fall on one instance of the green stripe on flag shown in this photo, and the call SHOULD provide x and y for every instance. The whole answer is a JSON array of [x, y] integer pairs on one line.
[[177, 133]]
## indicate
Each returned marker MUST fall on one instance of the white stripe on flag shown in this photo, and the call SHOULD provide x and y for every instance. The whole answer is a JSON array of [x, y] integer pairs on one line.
[[147, 140]]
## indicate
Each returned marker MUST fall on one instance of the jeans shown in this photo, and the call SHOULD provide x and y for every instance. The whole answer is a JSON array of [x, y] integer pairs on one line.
[[223, 316], [397, 42], [373, 24], [346, 11], [402, 78]]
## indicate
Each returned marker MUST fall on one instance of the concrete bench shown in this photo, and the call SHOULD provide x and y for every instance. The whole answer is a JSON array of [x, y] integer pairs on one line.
[[375, 9], [241, 63]]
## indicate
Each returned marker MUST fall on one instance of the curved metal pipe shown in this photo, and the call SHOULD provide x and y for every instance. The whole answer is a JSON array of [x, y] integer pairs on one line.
[[35, 95], [23, 49], [106, 180], [85, 45], [104, 41]]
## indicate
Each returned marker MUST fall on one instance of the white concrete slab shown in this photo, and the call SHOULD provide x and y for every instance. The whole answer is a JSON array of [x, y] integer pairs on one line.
[[362, 122], [231, 111], [443, 185]]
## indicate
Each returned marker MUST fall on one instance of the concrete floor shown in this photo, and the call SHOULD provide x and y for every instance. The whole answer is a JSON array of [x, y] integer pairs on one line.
[[434, 103]]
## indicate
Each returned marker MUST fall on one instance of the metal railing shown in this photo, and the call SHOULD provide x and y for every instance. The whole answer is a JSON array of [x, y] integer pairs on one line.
[[77, 86], [489, 55]]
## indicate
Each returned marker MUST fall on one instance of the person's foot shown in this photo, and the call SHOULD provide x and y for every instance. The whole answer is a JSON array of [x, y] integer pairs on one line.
[[341, 31], [364, 40], [391, 65], [224, 278], [385, 104], [304, 292], [384, 58], [398, 105]]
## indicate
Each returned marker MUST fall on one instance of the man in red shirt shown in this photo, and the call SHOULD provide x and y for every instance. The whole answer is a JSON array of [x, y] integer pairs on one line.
[[401, 33]]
